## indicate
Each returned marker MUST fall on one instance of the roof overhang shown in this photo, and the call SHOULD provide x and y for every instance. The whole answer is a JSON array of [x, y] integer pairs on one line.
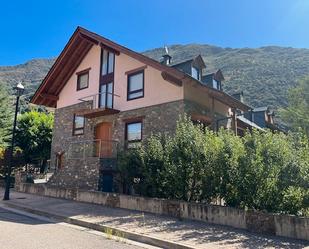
[[246, 123], [198, 60], [93, 113], [72, 55], [65, 65], [219, 75], [219, 95]]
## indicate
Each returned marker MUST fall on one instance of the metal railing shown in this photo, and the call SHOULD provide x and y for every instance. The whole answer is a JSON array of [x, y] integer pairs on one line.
[[93, 149], [100, 100]]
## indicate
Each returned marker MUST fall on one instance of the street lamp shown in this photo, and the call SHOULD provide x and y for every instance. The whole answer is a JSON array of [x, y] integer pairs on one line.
[[19, 89]]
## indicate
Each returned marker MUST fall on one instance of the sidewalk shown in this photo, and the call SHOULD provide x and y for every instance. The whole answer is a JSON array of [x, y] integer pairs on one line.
[[156, 230]]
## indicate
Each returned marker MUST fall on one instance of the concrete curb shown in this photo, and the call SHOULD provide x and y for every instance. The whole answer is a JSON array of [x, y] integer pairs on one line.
[[102, 228]]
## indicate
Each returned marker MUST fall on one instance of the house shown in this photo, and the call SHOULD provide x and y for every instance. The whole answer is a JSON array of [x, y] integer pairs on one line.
[[108, 97], [259, 118]]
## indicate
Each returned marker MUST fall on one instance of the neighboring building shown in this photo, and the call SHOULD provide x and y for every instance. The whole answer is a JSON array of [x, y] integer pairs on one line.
[[259, 118], [214, 80], [108, 97]]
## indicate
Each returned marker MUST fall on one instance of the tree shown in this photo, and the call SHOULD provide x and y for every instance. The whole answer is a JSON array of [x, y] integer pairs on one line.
[[5, 116], [34, 135], [297, 112]]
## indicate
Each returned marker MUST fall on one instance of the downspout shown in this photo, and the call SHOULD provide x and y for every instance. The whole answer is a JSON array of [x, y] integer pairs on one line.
[[213, 114], [234, 121]]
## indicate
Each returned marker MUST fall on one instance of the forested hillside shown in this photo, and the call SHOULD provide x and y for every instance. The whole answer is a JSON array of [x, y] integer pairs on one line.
[[264, 74]]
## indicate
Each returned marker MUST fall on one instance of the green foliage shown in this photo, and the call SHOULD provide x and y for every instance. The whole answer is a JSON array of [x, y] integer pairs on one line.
[[34, 134], [262, 171], [297, 112], [5, 116]]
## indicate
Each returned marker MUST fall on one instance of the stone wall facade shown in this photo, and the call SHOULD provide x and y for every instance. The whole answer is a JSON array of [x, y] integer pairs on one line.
[[76, 173], [84, 172], [155, 119]]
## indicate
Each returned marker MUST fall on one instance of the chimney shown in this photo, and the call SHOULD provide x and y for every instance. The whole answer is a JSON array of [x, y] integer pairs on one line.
[[166, 57]]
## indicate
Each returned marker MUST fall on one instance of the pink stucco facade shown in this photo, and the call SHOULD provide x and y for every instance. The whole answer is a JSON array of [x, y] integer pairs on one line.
[[69, 94], [156, 89]]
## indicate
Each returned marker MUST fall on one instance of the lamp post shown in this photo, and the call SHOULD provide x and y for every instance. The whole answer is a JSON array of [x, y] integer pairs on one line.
[[19, 91]]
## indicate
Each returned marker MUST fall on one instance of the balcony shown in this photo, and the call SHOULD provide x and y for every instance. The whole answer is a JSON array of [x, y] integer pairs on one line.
[[101, 104], [102, 149]]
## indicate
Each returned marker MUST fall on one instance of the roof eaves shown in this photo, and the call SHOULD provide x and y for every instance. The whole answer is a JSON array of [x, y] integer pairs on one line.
[[57, 61], [219, 92], [145, 59], [252, 124], [82, 32]]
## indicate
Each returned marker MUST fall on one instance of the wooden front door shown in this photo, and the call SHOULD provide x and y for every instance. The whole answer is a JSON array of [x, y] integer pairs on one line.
[[103, 136]]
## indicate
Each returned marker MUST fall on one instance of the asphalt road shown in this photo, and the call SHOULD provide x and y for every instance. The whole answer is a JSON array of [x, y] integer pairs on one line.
[[18, 231]]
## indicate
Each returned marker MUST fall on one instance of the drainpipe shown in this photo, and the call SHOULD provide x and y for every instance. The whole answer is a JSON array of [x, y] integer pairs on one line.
[[234, 121], [214, 125]]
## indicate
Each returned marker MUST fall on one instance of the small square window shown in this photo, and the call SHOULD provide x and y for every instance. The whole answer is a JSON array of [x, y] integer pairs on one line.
[[78, 125], [136, 85], [133, 134], [82, 81]]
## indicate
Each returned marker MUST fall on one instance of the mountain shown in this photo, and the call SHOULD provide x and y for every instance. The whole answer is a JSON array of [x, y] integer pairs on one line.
[[264, 74], [30, 73]]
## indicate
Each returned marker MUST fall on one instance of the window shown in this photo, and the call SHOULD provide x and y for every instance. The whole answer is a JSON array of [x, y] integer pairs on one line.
[[82, 80], [136, 85], [106, 95], [107, 65], [78, 125], [196, 73], [216, 84], [133, 134]]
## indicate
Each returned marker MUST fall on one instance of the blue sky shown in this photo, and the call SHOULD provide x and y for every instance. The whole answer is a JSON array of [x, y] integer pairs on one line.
[[40, 29]]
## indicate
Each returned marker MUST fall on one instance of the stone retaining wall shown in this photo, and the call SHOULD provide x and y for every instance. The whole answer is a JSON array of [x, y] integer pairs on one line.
[[281, 225]]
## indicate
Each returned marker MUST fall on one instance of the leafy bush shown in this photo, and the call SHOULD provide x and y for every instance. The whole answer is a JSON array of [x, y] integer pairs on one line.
[[262, 171], [34, 135]]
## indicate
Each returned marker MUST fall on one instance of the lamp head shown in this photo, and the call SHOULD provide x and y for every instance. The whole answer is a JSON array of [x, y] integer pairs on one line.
[[19, 89]]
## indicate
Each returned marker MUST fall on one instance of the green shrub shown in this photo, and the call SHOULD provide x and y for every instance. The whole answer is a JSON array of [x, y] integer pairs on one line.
[[262, 171]]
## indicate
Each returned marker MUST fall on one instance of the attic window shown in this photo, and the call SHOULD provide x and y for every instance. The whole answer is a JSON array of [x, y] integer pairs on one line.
[[216, 84], [196, 73]]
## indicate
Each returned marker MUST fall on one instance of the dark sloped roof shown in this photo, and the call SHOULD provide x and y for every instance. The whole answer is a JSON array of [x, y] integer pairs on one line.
[[197, 59], [208, 78], [261, 109]]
